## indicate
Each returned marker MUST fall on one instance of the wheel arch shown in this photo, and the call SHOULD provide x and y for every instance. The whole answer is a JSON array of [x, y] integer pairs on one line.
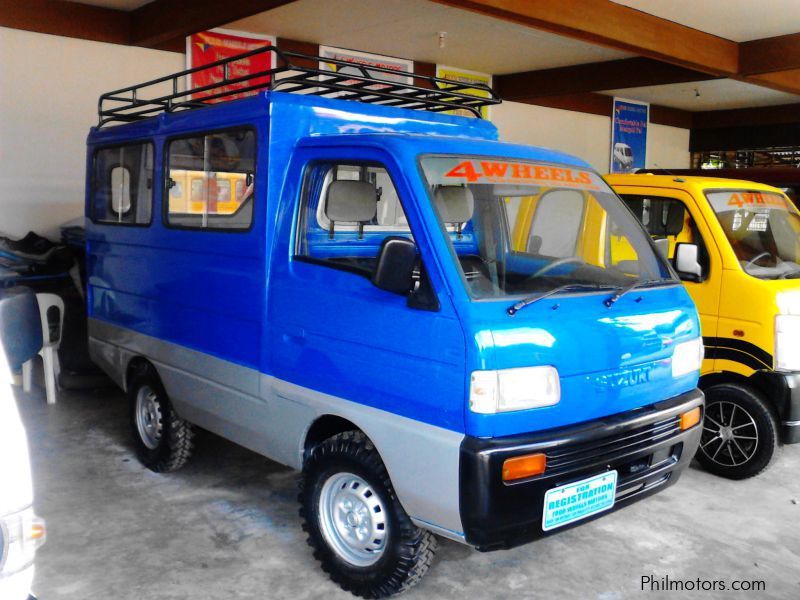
[[137, 364], [755, 383], [422, 460], [324, 427]]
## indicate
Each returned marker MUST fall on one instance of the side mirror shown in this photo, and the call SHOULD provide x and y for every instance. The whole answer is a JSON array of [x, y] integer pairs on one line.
[[394, 269], [686, 263]]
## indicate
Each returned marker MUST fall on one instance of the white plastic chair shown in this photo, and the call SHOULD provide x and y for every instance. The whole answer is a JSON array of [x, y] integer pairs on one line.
[[49, 351]]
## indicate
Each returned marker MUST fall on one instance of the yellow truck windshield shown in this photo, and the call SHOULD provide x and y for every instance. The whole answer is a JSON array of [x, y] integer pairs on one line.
[[763, 228]]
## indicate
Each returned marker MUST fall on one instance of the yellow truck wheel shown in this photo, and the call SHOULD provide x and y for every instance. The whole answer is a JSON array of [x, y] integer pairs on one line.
[[740, 432]]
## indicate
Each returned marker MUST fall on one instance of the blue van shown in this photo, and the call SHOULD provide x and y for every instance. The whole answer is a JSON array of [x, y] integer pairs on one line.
[[323, 272]]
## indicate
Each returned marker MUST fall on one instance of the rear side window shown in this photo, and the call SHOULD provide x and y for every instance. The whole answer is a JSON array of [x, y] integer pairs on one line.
[[211, 180], [123, 185]]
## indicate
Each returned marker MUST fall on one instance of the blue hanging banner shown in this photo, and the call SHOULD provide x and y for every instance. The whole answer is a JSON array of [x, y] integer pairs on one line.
[[629, 135]]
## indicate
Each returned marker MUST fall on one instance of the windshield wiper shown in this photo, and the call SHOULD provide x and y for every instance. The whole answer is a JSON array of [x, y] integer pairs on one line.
[[621, 291], [514, 309]]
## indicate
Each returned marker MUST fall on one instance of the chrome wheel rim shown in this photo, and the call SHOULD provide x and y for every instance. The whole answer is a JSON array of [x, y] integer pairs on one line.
[[149, 421], [353, 519], [730, 434]]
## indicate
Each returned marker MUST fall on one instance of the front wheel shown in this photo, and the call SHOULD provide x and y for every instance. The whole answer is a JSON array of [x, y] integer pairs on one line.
[[360, 533], [740, 432]]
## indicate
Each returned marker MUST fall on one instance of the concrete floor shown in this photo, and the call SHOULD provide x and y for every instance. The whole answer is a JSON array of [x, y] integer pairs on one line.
[[227, 527]]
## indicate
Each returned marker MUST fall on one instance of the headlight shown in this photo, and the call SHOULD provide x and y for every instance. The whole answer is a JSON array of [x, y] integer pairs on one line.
[[513, 389], [787, 343], [687, 357], [21, 534]]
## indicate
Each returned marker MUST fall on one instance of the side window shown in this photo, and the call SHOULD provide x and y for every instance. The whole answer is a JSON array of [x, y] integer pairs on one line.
[[389, 215], [667, 219], [347, 211], [211, 182], [557, 223], [123, 185]]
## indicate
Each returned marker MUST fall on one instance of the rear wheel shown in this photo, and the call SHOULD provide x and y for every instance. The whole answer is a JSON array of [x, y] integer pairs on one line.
[[740, 432], [163, 440], [360, 533]]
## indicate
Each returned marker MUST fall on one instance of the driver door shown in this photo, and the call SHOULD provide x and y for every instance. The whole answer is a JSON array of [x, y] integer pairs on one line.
[[330, 329]]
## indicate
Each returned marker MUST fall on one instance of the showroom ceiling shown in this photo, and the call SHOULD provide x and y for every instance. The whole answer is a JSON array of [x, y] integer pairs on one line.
[[684, 56], [737, 20], [410, 28]]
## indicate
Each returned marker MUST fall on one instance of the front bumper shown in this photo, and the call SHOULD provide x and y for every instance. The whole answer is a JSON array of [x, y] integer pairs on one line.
[[783, 390], [645, 446]]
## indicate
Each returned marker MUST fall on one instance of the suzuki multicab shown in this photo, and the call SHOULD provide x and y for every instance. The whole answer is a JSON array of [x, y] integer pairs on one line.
[[736, 245], [360, 315]]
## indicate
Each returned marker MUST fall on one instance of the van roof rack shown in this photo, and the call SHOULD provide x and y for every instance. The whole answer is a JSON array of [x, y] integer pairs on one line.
[[299, 73]]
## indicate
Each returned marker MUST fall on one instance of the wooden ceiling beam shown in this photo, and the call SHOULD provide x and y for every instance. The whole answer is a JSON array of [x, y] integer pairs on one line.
[[594, 77], [67, 19], [600, 104], [747, 117], [619, 27], [163, 21], [772, 63], [768, 55]]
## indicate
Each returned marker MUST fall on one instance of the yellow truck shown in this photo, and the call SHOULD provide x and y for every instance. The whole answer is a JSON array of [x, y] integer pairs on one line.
[[197, 192], [736, 246]]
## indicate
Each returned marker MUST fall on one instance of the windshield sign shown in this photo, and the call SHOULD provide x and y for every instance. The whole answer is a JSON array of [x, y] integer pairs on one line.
[[763, 229], [494, 171], [531, 230]]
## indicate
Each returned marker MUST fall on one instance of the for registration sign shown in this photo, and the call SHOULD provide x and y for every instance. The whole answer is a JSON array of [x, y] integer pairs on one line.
[[574, 501]]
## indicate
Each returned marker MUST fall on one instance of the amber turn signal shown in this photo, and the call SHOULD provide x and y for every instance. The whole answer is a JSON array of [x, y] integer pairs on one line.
[[690, 418], [521, 467]]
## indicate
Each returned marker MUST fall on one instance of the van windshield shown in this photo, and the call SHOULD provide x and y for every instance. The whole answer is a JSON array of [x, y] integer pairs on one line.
[[520, 228], [763, 229]]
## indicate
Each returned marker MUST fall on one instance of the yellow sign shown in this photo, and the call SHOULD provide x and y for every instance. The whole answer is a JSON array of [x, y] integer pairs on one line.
[[464, 76]]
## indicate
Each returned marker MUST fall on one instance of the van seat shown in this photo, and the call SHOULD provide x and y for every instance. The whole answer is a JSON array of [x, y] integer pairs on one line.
[[455, 204], [352, 202]]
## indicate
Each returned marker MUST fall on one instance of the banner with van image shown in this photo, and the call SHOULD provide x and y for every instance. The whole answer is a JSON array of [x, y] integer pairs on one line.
[[628, 135]]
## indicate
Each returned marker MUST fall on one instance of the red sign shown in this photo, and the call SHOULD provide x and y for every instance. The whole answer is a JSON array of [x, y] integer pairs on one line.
[[511, 172], [210, 46]]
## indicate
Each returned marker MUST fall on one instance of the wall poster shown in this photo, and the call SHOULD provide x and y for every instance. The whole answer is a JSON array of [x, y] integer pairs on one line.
[[629, 135], [207, 47]]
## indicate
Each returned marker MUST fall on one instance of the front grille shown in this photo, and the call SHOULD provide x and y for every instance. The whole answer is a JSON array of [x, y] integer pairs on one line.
[[568, 458]]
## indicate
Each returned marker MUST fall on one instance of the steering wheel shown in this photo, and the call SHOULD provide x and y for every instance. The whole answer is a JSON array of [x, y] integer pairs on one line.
[[752, 261], [557, 263]]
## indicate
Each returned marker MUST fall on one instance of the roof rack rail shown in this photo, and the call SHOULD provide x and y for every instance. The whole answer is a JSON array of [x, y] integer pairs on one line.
[[421, 92]]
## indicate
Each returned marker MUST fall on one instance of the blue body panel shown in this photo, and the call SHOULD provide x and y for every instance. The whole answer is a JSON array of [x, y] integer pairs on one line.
[[241, 297]]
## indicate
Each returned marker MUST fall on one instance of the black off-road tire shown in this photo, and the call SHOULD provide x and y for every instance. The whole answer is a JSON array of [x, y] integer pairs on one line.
[[174, 448], [409, 550], [748, 403]]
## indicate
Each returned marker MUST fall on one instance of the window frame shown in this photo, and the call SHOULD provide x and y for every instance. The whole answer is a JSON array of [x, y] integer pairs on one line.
[[300, 222], [165, 176], [367, 228], [704, 248], [95, 152]]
